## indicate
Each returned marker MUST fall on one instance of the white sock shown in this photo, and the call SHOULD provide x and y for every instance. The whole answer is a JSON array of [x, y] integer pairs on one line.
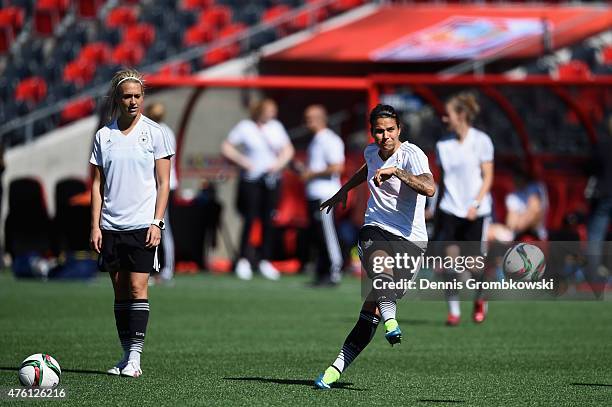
[[453, 306], [387, 309], [134, 357]]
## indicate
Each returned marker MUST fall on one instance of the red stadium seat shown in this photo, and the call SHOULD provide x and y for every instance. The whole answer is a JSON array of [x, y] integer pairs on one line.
[[573, 70], [216, 17], [13, 18], [232, 30], [197, 35], [306, 18], [45, 20], [176, 69], [96, 53], [144, 34], [61, 6], [121, 17], [79, 72], [128, 53], [606, 56], [88, 8], [193, 5], [6, 38], [275, 12], [343, 5], [77, 110], [32, 90], [220, 54]]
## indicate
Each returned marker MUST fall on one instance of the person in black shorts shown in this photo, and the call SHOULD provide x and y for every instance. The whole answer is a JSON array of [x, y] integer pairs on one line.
[[465, 158], [131, 167], [399, 179]]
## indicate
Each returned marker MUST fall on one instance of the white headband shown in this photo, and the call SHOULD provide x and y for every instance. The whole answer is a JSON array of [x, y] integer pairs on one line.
[[128, 78]]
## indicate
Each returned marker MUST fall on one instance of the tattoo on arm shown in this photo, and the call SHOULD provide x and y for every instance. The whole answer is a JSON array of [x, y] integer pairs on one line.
[[423, 184]]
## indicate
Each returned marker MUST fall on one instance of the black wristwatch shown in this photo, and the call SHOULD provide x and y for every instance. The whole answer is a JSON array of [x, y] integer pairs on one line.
[[159, 223]]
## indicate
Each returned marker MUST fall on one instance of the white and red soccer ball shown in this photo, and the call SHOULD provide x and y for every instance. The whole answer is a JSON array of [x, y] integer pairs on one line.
[[40, 370]]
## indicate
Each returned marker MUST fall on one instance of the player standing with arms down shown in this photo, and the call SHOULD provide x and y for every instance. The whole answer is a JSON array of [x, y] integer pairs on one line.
[[399, 179], [322, 177], [131, 183], [466, 161]]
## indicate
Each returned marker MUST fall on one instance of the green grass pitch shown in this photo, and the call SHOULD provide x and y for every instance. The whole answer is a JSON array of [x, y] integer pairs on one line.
[[214, 340]]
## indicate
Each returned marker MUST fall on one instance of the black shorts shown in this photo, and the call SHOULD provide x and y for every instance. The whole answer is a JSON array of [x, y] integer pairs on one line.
[[451, 229], [126, 251], [374, 238]]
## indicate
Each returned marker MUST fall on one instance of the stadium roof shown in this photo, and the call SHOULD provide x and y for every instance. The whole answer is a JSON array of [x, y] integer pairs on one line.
[[420, 33]]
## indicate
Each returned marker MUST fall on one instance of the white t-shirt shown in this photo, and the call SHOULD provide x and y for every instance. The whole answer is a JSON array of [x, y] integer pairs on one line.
[[462, 172], [517, 202], [128, 164], [325, 149], [260, 144], [394, 206], [173, 177]]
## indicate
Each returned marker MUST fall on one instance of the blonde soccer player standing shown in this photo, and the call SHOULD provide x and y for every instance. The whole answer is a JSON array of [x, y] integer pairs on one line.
[[465, 158], [131, 161]]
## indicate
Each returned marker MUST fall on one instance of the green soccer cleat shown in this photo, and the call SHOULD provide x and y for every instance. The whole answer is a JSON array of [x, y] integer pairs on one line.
[[394, 337], [394, 333], [324, 381]]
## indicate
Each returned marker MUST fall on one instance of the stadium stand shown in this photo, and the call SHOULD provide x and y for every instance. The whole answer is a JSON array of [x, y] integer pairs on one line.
[[74, 45]]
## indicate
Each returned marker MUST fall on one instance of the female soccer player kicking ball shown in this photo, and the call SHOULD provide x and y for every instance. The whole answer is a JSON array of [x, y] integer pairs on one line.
[[399, 178]]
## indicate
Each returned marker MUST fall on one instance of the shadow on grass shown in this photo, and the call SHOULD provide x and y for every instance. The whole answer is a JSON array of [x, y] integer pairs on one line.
[[592, 384], [410, 322], [82, 371], [294, 382]]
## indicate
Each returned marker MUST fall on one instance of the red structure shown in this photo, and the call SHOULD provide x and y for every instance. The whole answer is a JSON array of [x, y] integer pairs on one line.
[[565, 188]]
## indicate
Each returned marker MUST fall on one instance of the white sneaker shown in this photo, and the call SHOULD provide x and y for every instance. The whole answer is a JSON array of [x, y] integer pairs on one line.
[[244, 270], [268, 270], [131, 370], [116, 370]]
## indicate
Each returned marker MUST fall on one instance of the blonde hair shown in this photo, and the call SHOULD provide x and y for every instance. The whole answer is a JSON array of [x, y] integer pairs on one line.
[[256, 107], [126, 75], [465, 102]]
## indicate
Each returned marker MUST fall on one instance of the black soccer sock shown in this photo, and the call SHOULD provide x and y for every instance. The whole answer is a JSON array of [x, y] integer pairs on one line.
[[357, 340], [139, 317], [122, 321]]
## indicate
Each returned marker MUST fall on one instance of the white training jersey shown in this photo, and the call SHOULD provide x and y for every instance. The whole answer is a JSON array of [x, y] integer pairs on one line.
[[394, 206], [517, 202], [128, 164], [260, 144], [325, 149], [173, 177], [461, 163]]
